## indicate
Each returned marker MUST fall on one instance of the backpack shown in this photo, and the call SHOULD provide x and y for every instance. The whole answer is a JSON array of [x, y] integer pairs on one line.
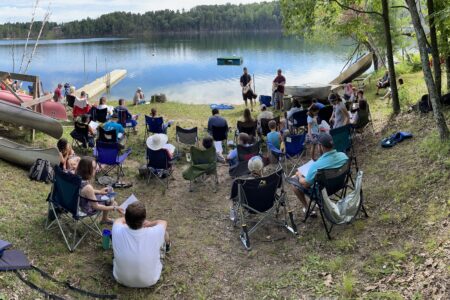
[[41, 170]]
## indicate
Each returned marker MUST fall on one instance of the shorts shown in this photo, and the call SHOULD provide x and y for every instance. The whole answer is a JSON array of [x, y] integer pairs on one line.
[[249, 95], [294, 181]]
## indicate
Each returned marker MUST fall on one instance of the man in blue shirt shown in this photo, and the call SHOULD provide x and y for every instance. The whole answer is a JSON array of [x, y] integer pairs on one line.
[[113, 124], [329, 159]]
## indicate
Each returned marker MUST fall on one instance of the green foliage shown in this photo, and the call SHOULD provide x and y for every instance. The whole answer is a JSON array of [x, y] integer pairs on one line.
[[347, 288], [228, 17]]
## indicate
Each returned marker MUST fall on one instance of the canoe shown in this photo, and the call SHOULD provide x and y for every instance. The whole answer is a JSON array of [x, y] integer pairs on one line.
[[49, 108], [24, 156], [26, 117], [100, 84], [355, 70], [229, 61], [309, 90]]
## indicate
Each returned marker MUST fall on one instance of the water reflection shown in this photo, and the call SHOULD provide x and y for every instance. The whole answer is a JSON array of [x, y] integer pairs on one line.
[[184, 68]]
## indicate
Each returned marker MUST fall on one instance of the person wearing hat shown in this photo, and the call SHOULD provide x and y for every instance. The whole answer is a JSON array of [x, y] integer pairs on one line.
[[159, 141], [113, 124], [329, 159], [139, 97]]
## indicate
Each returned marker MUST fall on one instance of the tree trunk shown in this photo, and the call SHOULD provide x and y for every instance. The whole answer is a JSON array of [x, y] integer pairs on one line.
[[390, 57], [375, 61], [434, 48], [447, 67], [428, 75]]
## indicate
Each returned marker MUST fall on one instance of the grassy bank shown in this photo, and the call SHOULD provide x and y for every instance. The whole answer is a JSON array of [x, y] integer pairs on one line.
[[400, 252]]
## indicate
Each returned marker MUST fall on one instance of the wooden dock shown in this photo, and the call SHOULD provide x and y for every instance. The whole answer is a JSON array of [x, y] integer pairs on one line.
[[102, 83]]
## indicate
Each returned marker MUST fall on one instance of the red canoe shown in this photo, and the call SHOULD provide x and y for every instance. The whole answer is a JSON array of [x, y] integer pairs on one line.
[[49, 108]]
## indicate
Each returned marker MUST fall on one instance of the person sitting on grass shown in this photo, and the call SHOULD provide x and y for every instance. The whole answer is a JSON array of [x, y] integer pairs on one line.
[[122, 112], [360, 114], [137, 244], [139, 97], [313, 129], [68, 160], [154, 114], [383, 82], [91, 199], [244, 140], [329, 159], [274, 137], [113, 124]]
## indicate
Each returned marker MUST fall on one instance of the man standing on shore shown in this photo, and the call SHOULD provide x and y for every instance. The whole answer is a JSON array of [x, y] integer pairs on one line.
[[247, 92], [278, 90]]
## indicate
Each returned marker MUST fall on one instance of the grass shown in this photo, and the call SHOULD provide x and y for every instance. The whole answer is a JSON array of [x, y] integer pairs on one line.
[[407, 197]]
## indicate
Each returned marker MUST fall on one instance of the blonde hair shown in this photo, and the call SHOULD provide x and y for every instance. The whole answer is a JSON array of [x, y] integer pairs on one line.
[[255, 164]]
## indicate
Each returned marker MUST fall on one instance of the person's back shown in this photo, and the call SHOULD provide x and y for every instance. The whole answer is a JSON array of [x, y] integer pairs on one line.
[[216, 120], [362, 114], [265, 115], [137, 248], [328, 160], [113, 125], [274, 137]]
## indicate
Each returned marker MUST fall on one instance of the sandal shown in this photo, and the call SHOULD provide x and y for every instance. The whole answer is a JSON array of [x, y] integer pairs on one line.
[[121, 185]]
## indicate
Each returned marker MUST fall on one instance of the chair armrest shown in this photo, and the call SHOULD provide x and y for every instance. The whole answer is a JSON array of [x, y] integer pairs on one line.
[[124, 156]]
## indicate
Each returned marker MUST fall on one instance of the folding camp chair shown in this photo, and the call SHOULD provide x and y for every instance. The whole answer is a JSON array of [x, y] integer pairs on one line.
[[298, 120], [342, 140], [265, 125], [261, 199], [107, 136], [159, 165], [360, 130], [80, 136], [124, 118], [244, 154], [266, 100], [294, 151], [330, 192], [99, 115], [109, 157], [64, 207], [203, 163], [186, 136], [246, 127], [153, 125], [325, 114], [220, 134]]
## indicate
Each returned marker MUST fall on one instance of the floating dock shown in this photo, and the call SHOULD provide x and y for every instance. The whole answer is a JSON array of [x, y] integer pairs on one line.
[[230, 61], [101, 84]]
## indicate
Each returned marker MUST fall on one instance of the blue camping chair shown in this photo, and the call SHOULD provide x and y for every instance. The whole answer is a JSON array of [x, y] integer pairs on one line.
[[159, 165], [109, 157], [294, 150], [64, 207], [299, 119], [153, 125], [266, 100], [342, 140]]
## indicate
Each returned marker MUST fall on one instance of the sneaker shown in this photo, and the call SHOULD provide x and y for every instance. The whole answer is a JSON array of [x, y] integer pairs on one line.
[[168, 247], [312, 214], [232, 214]]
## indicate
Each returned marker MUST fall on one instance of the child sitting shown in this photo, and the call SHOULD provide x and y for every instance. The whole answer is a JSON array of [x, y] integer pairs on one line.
[[244, 140], [313, 128], [274, 137]]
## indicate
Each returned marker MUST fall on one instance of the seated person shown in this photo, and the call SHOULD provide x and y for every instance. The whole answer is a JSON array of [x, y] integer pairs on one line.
[[130, 118], [154, 114], [296, 107], [139, 97], [247, 116], [383, 82], [137, 244], [102, 105], [360, 114], [85, 119], [82, 103], [317, 103], [68, 160], [113, 124], [159, 141], [92, 199], [264, 114], [274, 137], [329, 159], [244, 140]]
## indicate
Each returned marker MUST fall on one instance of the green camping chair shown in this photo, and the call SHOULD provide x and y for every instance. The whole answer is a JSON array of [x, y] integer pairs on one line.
[[203, 163]]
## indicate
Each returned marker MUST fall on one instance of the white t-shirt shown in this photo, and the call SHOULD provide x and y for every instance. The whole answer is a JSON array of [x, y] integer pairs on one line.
[[137, 260]]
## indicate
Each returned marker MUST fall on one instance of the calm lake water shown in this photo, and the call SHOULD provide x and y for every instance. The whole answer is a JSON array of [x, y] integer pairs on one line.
[[184, 68]]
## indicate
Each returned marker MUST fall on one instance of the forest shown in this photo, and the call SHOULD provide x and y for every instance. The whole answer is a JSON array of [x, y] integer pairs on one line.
[[265, 16]]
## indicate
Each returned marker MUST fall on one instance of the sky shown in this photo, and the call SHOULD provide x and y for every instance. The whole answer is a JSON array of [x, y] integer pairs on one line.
[[68, 10]]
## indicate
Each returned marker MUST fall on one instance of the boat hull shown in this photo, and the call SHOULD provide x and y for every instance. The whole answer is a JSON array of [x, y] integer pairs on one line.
[[25, 117], [23, 156], [309, 90], [355, 70], [49, 108]]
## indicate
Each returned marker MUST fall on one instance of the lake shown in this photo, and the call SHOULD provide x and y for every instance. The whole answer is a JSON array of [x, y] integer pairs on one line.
[[184, 68]]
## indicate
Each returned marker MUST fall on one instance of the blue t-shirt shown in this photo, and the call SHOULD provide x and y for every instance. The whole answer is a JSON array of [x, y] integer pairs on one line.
[[274, 138], [329, 160], [110, 125]]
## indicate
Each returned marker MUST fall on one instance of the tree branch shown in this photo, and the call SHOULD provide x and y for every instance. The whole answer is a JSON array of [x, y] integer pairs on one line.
[[357, 10], [400, 6]]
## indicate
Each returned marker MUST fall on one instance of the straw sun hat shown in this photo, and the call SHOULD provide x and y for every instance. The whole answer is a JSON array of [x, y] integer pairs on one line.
[[156, 141]]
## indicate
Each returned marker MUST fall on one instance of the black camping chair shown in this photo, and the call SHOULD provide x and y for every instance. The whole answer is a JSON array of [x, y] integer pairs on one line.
[[336, 183], [186, 136], [244, 153], [325, 114], [106, 136], [99, 115], [159, 165], [220, 134], [247, 127], [64, 207], [265, 125], [299, 119], [80, 136], [70, 99], [261, 199]]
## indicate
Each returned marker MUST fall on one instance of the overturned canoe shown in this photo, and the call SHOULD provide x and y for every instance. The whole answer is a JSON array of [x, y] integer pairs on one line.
[[309, 90], [24, 156], [355, 70], [26, 117]]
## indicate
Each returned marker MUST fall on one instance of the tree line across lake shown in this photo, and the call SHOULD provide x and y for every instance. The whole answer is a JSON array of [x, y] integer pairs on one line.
[[265, 16]]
